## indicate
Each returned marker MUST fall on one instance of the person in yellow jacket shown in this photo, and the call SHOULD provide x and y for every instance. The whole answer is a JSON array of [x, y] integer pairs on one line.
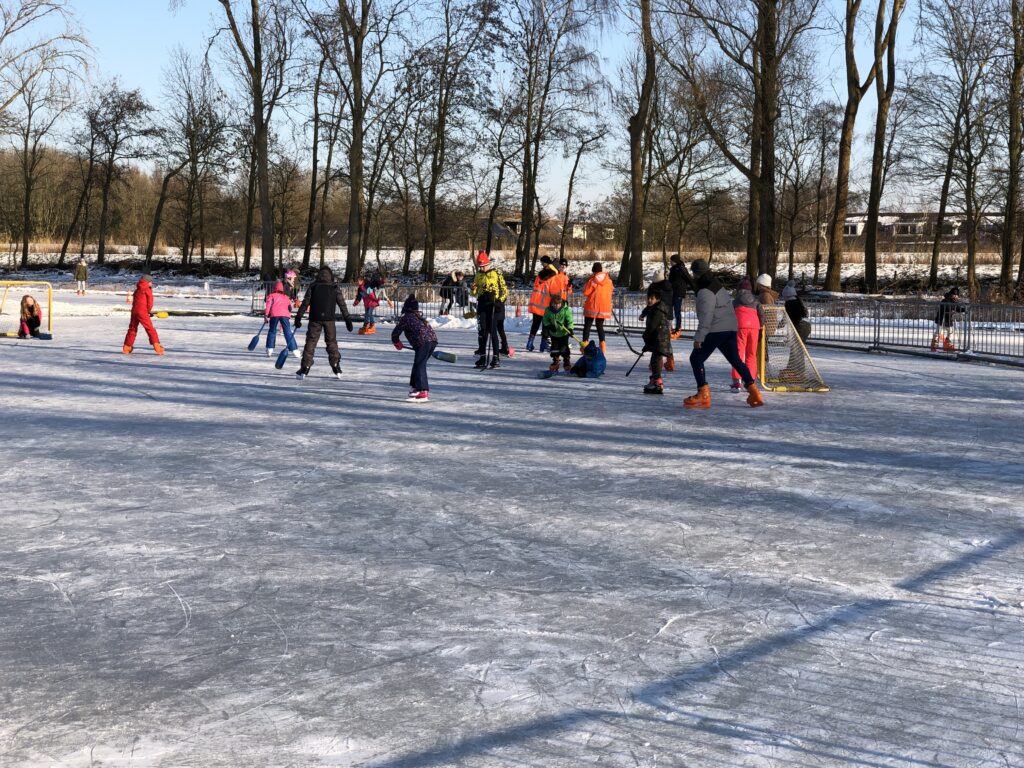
[[490, 291], [597, 302]]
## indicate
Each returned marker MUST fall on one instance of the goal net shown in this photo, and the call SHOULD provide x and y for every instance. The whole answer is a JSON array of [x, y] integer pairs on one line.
[[11, 293], [786, 365]]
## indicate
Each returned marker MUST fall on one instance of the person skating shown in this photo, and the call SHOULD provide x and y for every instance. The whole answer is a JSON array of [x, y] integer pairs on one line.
[[453, 290], [597, 303], [716, 329], [81, 276], [657, 337], [949, 308], [142, 308], [30, 318], [679, 279], [749, 319], [372, 293], [277, 310], [558, 323], [322, 298], [796, 310], [423, 341], [539, 300], [663, 287], [292, 286], [490, 289]]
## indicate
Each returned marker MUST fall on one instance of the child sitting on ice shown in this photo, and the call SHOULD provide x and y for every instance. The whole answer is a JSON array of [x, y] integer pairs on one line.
[[278, 310], [31, 317], [423, 341], [558, 324], [592, 363]]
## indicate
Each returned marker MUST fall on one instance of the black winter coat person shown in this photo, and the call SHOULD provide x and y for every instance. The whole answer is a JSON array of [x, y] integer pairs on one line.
[[658, 329], [949, 307], [322, 299]]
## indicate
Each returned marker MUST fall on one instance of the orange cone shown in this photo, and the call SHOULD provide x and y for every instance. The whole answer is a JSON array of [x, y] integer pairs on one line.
[[128, 298], [519, 310]]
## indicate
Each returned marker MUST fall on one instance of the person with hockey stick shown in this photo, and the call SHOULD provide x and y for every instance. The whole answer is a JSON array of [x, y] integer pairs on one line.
[[657, 337], [749, 320], [597, 303], [489, 288], [277, 310], [423, 341], [716, 329], [539, 300], [558, 324], [679, 279], [142, 308], [663, 288], [322, 298], [949, 308]]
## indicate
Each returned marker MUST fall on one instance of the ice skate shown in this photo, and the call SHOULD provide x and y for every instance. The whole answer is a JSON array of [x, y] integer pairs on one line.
[[754, 398], [654, 387], [495, 362], [158, 348], [337, 370], [302, 373], [481, 363], [700, 400]]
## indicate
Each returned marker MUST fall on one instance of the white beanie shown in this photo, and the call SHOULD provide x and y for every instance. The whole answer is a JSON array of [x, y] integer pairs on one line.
[[764, 280], [659, 276]]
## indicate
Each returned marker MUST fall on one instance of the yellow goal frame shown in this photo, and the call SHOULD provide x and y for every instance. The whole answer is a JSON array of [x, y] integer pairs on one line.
[[8, 284]]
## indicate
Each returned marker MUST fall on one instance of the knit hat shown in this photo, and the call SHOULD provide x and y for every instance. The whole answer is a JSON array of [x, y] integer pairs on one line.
[[411, 305], [675, 258], [789, 292], [744, 284], [699, 267], [564, 262], [482, 259], [545, 259], [598, 267], [764, 280], [653, 291], [290, 274], [278, 287]]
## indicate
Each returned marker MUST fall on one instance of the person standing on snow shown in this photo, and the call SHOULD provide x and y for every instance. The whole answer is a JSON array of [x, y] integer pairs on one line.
[[81, 276], [142, 308], [277, 310], [749, 319], [716, 329], [949, 308], [597, 303], [453, 290], [321, 299], [539, 300], [490, 289], [657, 337], [423, 341]]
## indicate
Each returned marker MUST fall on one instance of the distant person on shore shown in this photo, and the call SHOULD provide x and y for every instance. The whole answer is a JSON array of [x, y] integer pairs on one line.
[[765, 293], [30, 318], [945, 318], [81, 276], [142, 308], [453, 291]]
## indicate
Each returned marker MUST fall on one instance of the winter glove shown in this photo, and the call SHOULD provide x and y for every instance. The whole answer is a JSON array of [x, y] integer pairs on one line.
[[298, 323], [399, 346], [348, 325]]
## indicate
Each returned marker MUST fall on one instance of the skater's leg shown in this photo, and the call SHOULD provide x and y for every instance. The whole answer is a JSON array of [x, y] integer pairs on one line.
[[697, 359], [289, 337], [418, 380], [312, 337], [726, 344], [331, 342], [587, 323], [600, 329], [499, 324], [535, 324], [492, 330], [133, 329], [272, 332], [677, 310], [150, 330]]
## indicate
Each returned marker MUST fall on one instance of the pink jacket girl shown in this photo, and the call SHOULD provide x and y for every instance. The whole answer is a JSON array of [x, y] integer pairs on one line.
[[278, 311]]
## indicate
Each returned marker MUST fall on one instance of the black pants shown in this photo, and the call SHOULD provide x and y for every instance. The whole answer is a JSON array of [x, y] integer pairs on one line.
[[489, 316], [559, 348], [537, 325], [418, 379], [657, 359], [589, 321], [313, 331], [724, 342]]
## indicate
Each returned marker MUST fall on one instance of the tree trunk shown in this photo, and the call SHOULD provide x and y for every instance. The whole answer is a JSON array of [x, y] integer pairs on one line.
[[568, 199], [355, 163], [632, 274], [767, 252], [324, 195], [250, 204], [1014, 140], [492, 214], [933, 271], [78, 213], [311, 213], [108, 180], [158, 213]]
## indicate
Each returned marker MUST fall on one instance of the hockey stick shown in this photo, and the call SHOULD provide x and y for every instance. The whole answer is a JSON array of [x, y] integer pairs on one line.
[[255, 341], [638, 358]]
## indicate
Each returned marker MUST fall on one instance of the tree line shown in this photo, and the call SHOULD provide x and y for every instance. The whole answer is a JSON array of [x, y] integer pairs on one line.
[[402, 123]]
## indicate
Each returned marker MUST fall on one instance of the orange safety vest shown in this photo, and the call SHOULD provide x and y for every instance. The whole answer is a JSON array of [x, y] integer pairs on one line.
[[597, 301], [560, 285], [541, 296]]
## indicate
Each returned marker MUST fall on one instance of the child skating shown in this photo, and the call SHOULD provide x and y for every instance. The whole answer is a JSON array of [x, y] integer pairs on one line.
[[142, 308], [657, 337], [277, 310], [422, 339], [321, 299], [558, 324]]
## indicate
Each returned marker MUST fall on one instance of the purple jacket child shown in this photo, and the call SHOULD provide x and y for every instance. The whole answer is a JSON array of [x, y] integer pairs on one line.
[[422, 339]]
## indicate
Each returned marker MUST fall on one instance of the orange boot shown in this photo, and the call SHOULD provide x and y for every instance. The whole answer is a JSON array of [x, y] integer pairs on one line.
[[947, 345], [754, 399], [371, 329], [126, 349], [701, 400], [362, 331], [158, 348], [670, 363], [604, 350]]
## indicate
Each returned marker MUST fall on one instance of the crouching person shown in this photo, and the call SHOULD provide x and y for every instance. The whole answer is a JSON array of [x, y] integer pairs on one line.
[[716, 329], [423, 341]]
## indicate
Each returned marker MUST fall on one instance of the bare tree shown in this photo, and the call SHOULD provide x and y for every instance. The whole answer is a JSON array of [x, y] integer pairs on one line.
[[583, 139]]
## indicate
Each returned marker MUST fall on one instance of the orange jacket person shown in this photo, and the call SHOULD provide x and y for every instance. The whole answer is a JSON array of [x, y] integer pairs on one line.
[[539, 300], [561, 284], [597, 302], [142, 305]]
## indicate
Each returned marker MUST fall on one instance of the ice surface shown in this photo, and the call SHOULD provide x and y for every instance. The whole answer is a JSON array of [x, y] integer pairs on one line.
[[207, 563]]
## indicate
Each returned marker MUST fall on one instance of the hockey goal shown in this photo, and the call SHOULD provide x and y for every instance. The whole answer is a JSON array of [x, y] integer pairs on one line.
[[786, 365], [11, 292]]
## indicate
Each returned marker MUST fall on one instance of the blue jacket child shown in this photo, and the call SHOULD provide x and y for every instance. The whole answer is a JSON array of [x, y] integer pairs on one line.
[[592, 364], [422, 339]]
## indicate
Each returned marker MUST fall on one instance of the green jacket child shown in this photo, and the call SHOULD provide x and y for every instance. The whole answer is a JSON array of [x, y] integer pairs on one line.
[[558, 322]]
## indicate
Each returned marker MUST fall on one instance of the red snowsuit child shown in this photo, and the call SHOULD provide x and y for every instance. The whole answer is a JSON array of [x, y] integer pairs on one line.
[[142, 305], [749, 319]]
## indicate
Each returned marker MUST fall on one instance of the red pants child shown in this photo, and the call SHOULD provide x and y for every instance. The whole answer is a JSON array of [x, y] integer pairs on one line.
[[133, 329], [746, 341]]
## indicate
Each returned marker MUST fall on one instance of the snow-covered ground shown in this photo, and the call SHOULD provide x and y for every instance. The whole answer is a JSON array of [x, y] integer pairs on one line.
[[207, 563]]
